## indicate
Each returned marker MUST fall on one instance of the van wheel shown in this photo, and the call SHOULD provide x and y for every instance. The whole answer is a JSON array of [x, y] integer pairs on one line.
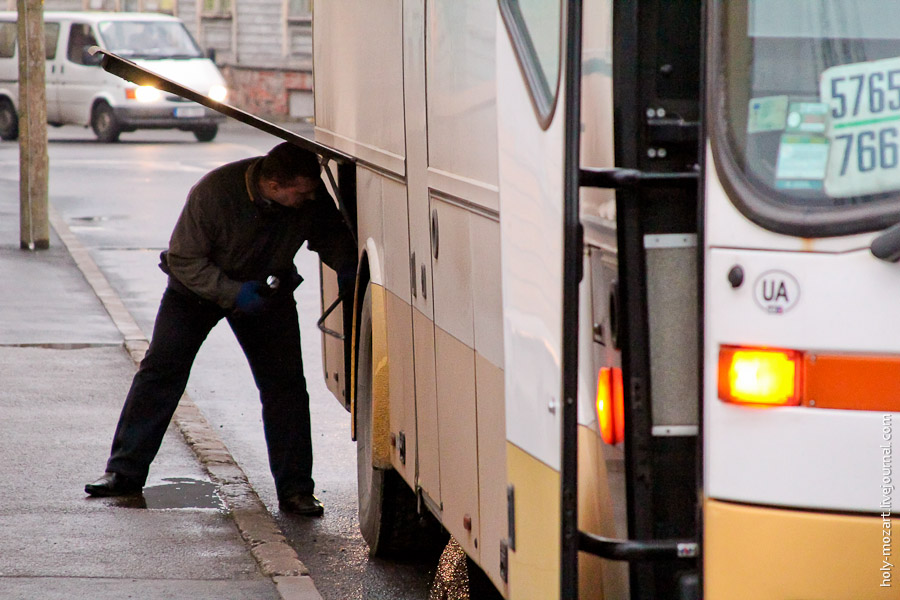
[[206, 133], [9, 121], [388, 517], [104, 123]]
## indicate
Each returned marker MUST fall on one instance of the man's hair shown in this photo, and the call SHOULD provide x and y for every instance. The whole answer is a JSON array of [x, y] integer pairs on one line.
[[285, 162]]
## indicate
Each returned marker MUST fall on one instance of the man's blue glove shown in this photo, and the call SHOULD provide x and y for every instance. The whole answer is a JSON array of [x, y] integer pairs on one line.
[[252, 298]]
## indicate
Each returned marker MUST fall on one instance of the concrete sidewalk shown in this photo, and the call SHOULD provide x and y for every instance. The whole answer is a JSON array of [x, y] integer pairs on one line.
[[67, 351]]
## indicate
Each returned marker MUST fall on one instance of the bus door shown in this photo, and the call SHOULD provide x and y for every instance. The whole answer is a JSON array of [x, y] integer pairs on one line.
[[649, 295], [653, 58], [530, 126]]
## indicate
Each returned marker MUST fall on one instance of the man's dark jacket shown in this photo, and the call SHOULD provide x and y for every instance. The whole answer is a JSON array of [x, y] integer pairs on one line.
[[228, 234]]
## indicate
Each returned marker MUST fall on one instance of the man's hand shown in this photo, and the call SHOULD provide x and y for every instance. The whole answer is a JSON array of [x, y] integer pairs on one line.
[[252, 298]]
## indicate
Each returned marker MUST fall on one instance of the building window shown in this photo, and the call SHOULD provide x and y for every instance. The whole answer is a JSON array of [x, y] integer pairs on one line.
[[299, 10], [218, 8], [153, 6]]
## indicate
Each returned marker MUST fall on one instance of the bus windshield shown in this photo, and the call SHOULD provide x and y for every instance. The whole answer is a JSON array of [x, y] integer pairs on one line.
[[149, 39], [812, 99]]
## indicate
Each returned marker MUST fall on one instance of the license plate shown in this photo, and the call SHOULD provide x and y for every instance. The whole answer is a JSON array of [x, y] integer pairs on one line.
[[864, 127], [189, 111]]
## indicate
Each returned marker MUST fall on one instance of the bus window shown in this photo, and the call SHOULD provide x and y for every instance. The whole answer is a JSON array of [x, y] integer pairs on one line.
[[534, 27], [811, 106]]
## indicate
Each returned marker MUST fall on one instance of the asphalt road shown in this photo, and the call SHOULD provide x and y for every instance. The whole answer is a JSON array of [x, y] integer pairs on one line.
[[122, 200]]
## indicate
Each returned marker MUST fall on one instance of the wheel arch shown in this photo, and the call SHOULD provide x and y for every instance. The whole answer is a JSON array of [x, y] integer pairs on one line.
[[101, 98], [370, 274], [6, 94]]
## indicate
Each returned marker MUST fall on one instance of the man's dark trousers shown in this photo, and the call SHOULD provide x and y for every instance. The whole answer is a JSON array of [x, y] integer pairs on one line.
[[271, 343]]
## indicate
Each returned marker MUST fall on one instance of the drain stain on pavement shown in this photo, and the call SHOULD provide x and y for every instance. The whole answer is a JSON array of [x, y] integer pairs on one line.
[[179, 492]]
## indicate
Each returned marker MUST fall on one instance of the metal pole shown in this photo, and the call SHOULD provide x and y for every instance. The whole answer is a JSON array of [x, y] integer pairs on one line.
[[34, 224]]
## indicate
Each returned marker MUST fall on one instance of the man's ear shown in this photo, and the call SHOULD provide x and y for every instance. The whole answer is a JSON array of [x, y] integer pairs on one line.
[[267, 186]]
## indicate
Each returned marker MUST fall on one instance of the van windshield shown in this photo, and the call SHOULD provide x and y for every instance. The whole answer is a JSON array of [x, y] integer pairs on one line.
[[149, 39]]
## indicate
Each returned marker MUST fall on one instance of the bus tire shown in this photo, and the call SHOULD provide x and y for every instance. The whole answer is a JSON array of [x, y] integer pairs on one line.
[[104, 123], [9, 121], [388, 516]]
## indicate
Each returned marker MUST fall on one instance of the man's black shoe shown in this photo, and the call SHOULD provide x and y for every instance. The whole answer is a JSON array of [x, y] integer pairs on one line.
[[113, 484], [306, 505]]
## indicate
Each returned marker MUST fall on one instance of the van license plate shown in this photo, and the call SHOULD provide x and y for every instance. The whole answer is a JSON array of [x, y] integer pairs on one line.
[[189, 111]]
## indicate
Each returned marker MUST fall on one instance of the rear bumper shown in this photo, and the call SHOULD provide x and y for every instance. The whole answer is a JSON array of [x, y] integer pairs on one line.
[[763, 553], [166, 116]]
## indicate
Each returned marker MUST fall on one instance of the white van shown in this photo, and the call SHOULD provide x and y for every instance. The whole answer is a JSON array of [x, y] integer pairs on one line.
[[79, 92]]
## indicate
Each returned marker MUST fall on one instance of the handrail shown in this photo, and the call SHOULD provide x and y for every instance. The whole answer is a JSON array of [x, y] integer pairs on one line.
[[615, 178], [321, 322], [635, 550]]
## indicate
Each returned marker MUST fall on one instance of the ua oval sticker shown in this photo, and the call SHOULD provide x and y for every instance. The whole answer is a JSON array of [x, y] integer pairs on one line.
[[777, 291]]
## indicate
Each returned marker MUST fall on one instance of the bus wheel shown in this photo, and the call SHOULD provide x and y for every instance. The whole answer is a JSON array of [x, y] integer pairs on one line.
[[104, 123], [206, 133], [388, 518], [9, 121]]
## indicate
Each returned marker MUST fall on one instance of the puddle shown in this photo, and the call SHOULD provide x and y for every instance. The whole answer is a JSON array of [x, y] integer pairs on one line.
[[178, 492], [98, 218]]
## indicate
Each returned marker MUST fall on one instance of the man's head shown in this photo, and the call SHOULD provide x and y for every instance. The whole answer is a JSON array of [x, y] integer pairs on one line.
[[289, 175]]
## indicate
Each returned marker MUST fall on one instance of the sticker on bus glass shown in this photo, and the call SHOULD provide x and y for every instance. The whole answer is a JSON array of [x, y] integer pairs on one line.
[[802, 162], [767, 114], [807, 117], [864, 127]]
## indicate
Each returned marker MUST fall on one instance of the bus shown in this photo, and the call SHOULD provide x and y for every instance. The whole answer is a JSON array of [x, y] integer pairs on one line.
[[623, 322]]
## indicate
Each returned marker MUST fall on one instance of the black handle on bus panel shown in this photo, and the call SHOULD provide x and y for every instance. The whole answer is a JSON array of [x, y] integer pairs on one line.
[[637, 550], [616, 178], [887, 245]]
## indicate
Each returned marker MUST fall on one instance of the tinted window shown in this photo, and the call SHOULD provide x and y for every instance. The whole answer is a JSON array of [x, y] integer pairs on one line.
[[51, 37], [7, 40], [80, 39]]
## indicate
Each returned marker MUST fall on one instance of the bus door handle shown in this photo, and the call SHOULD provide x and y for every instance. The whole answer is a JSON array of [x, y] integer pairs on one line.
[[435, 245]]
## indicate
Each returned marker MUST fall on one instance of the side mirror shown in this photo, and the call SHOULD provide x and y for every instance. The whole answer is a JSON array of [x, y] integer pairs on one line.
[[90, 60], [211, 54]]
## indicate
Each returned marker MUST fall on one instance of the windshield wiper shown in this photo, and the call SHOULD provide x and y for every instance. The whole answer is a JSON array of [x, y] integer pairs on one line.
[[887, 245]]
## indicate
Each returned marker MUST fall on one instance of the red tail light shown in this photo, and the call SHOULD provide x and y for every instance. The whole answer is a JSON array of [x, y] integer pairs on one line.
[[611, 405]]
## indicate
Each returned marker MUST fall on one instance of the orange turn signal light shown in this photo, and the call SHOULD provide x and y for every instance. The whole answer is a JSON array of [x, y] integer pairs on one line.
[[759, 376], [611, 405]]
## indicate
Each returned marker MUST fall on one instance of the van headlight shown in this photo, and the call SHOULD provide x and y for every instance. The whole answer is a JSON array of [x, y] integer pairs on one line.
[[218, 93], [147, 93]]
